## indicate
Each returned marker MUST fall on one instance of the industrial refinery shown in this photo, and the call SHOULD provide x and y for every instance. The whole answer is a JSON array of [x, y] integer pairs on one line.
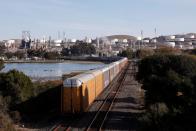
[[108, 45]]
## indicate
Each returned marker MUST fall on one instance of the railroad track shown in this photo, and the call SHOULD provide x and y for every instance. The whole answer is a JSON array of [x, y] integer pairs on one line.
[[61, 126], [101, 115]]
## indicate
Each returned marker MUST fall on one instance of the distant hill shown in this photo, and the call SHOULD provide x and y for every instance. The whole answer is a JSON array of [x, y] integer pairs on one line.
[[121, 37], [192, 34]]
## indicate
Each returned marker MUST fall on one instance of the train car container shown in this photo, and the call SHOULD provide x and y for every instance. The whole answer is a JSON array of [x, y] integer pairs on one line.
[[78, 93], [116, 68], [111, 70], [106, 76], [99, 84]]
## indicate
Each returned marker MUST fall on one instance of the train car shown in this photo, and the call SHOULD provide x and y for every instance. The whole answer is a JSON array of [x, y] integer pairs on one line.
[[106, 76], [80, 91], [111, 70], [116, 68], [99, 84], [123, 62]]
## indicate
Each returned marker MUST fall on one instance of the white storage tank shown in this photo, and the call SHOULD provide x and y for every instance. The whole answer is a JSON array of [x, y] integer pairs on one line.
[[88, 40], [179, 39], [58, 41], [57, 44], [125, 41], [172, 37], [154, 40], [139, 38], [9, 43], [73, 40], [190, 36], [171, 44], [146, 41]]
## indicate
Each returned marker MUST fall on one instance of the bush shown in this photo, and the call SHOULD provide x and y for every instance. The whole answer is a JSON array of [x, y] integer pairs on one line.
[[51, 55], [167, 50], [16, 85], [153, 119], [126, 53], [142, 53], [9, 55], [81, 48], [15, 115], [1, 64], [168, 78], [19, 54], [6, 123]]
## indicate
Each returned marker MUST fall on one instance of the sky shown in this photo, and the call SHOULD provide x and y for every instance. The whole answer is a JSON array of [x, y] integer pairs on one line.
[[95, 18]]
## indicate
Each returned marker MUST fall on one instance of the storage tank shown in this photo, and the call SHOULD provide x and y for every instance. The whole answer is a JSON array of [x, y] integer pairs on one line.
[[88, 40], [73, 40], [170, 37], [139, 38], [179, 39], [125, 41], [154, 40], [115, 40], [189, 43], [190, 36], [57, 44], [146, 41], [9, 43], [171, 44], [43, 41], [58, 41]]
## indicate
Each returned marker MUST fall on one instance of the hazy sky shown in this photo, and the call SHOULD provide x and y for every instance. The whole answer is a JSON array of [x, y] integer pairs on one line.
[[80, 18]]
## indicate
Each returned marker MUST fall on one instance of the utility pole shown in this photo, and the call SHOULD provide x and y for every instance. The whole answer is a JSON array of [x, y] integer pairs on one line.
[[26, 39], [141, 42], [58, 35], [155, 32]]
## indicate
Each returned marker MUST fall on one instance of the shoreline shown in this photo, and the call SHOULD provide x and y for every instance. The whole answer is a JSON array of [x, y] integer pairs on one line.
[[54, 61]]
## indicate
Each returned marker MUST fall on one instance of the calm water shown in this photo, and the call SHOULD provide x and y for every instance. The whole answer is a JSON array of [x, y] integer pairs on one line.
[[49, 70]]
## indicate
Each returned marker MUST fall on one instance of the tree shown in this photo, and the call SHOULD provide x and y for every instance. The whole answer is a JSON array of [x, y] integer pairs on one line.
[[2, 49], [82, 48], [19, 54], [126, 53], [15, 85], [65, 52], [168, 79], [1, 64], [36, 53], [9, 55], [167, 50], [51, 55], [142, 53]]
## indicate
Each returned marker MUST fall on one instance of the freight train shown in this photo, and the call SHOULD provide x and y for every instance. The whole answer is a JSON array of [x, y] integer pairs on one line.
[[80, 91]]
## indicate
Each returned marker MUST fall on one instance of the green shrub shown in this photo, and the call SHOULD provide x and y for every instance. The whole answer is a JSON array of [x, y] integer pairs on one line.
[[167, 50], [168, 78], [16, 85], [142, 53], [126, 53], [1, 64]]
